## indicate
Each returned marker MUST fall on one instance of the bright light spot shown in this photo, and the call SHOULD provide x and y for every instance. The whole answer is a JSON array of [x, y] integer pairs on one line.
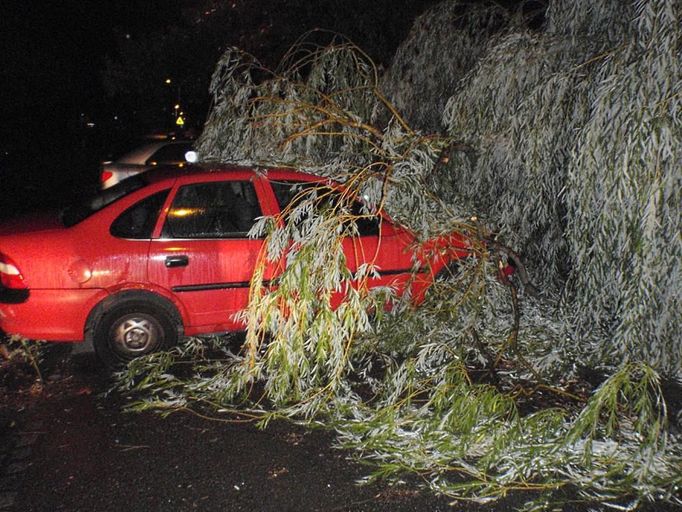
[[185, 212], [191, 156], [9, 269]]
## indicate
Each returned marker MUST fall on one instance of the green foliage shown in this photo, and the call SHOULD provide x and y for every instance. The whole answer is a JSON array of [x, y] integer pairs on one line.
[[310, 347], [322, 111], [470, 441], [624, 187], [16, 351], [419, 404], [418, 88], [576, 130], [312, 110]]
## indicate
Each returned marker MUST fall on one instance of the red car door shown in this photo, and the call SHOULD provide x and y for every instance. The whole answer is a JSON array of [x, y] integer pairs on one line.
[[202, 253], [383, 246], [379, 243]]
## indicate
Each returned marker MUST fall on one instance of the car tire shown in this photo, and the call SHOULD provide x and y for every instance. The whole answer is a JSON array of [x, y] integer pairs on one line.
[[132, 329]]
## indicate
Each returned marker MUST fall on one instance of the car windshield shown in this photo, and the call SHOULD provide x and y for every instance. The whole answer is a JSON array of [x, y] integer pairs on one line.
[[81, 210]]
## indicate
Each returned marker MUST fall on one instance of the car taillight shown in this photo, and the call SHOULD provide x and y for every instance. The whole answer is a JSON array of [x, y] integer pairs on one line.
[[105, 176], [10, 275]]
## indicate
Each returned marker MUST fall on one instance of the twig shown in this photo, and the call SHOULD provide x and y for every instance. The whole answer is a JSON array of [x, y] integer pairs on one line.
[[446, 154], [528, 287]]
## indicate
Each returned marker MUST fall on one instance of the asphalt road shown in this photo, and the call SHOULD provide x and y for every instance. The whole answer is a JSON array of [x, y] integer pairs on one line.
[[70, 448]]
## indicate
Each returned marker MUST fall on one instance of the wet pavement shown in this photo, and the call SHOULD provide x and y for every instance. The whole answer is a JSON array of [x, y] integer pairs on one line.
[[70, 448]]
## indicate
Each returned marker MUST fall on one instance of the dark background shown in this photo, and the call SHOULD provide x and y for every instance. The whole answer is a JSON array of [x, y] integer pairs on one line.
[[52, 58], [82, 81]]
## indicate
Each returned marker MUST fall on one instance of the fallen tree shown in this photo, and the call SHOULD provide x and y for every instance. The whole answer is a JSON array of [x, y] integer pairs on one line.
[[480, 390]]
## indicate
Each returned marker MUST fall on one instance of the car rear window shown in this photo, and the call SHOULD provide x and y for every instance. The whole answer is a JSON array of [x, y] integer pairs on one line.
[[290, 193], [80, 211], [137, 222]]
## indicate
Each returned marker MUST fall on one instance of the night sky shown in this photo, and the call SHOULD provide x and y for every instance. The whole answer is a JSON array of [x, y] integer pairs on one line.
[[51, 57], [53, 54]]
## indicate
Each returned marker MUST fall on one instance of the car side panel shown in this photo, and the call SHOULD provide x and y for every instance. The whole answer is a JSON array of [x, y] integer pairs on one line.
[[69, 271], [113, 262], [390, 252], [214, 283], [52, 315]]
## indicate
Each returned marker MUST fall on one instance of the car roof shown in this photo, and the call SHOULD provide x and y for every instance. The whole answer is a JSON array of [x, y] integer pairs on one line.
[[207, 169], [142, 153]]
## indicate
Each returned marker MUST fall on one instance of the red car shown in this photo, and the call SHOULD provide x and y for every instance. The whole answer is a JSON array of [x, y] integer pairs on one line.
[[166, 254]]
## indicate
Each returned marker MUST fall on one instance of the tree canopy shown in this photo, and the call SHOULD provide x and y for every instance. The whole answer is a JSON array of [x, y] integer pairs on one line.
[[186, 51]]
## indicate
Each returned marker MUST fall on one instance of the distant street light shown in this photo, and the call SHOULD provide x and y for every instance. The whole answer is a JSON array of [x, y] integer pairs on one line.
[[177, 112]]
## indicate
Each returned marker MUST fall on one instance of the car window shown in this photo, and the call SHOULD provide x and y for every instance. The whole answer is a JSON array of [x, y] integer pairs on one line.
[[138, 221], [288, 193], [222, 209], [80, 211], [169, 154]]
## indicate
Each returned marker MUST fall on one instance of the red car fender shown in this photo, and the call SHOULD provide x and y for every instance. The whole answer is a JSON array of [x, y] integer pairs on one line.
[[122, 288]]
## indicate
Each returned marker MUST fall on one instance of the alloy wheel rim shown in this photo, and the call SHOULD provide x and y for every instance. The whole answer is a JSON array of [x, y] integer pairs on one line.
[[135, 334]]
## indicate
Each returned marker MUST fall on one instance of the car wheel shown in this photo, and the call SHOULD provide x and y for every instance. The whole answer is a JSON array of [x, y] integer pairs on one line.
[[133, 329]]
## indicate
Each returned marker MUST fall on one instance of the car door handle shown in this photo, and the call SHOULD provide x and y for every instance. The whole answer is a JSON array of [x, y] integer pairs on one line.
[[177, 261]]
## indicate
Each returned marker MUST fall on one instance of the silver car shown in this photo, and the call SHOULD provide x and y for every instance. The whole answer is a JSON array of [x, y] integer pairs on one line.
[[171, 152]]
